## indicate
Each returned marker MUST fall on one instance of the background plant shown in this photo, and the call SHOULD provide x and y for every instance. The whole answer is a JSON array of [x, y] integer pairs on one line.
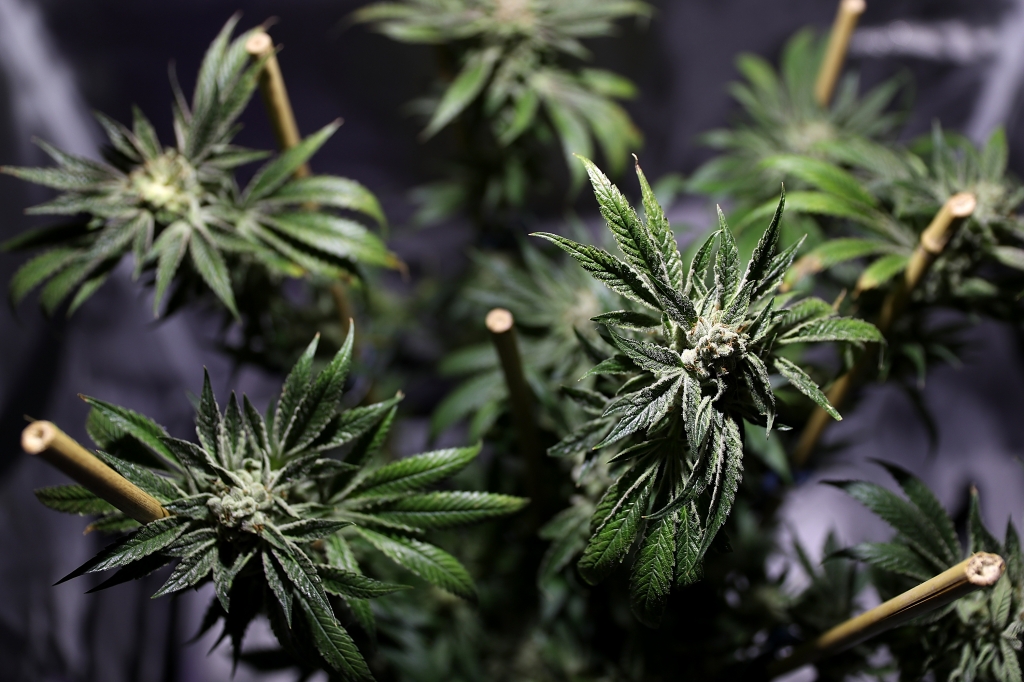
[[510, 87], [180, 211]]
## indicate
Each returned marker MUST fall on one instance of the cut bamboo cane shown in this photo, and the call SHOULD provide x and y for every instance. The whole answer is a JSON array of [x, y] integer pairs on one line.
[[835, 53], [957, 209], [501, 325], [57, 448], [979, 571], [275, 96], [286, 131]]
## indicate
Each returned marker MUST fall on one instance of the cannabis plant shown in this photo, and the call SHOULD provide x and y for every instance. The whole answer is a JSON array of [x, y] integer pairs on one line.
[[781, 117], [180, 211], [871, 229], [264, 508], [698, 363], [508, 86], [884, 220], [552, 302], [978, 637]]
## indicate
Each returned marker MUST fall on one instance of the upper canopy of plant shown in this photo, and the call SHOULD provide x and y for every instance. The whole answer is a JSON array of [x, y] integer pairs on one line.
[[696, 368], [781, 116], [508, 62], [180, 211]]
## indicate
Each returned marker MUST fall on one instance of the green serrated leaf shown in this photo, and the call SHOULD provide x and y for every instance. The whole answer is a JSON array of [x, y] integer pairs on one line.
[[417, 472], [616, 533], [892, 557], [431, 563], [192, 568], [726, 482], [72, 499], [644, 409], [620, 277], [351, 584], [447, 509], [806, 385], [120, 420], [273, 175], [628, 320], [882, 270], [651, 578], [334, 643], [833, 329], [464, 89], [904, 517], [148, 539]]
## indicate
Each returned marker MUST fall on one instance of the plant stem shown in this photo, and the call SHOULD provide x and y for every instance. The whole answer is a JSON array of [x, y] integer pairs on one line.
[[275, 96], [57, 448], [980, 570], [957, 209], [835, 54], [501, 325]]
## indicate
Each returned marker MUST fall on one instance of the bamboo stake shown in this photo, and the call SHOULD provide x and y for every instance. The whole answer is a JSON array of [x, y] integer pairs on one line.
[[501, 325], [275, 96], [835, 54], [286, 131], [979, 571], [57, 448], [957, 209]]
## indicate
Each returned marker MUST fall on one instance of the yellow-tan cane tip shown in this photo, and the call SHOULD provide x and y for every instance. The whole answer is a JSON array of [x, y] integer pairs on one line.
[[38, 436], [499, 321], [259, 43], [854, 6], [962, 205], [985, 569]]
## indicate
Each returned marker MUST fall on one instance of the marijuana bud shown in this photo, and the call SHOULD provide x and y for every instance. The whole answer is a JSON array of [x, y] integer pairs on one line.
[[692, 382], [268, 510]]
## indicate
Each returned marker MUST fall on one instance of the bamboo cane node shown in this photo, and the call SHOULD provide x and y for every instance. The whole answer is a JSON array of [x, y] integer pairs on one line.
[[499, 321], [985, 569]]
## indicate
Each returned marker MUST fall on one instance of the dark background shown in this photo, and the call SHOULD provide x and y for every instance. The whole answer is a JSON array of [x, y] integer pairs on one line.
[[59, 59]]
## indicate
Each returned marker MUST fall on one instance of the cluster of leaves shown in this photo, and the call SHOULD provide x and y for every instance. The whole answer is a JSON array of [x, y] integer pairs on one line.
[[978, 637], [180, 211], [696, 369], [508, 87], [887, 209], [782, 117], [552, 302], [874, 216], [865, 200], [265, 508]]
